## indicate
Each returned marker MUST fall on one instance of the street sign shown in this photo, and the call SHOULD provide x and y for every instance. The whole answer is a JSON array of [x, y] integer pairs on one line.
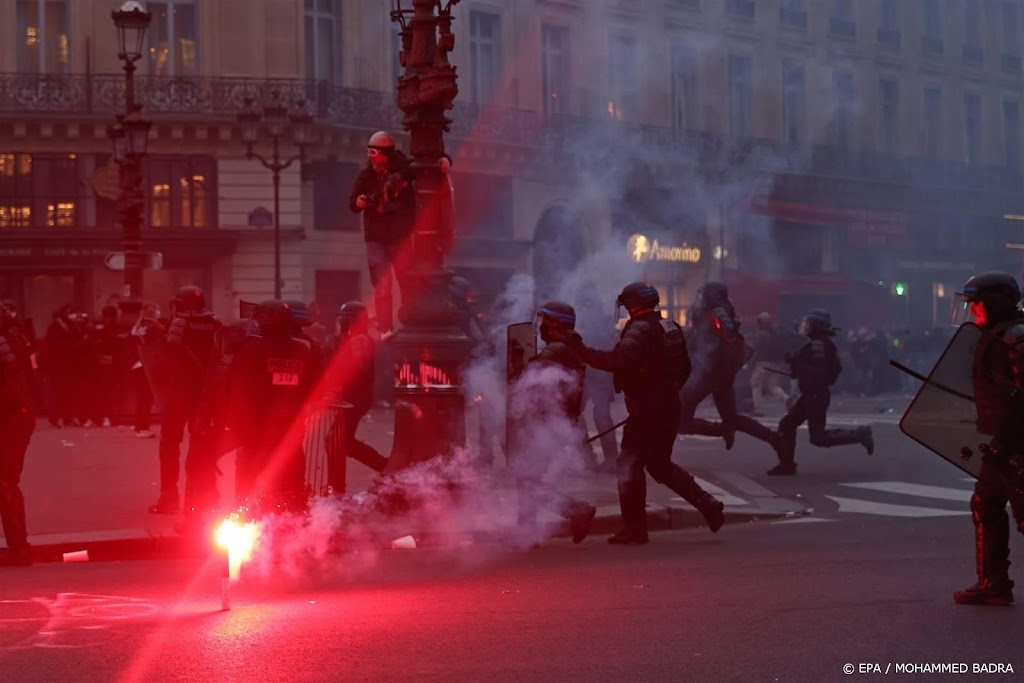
[[151, 260]]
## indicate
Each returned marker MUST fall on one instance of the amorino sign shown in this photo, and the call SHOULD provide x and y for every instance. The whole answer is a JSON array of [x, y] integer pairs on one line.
[[642, 248]]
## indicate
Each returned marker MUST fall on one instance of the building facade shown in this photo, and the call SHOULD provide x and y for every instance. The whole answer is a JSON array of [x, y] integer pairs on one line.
[[862, 156]]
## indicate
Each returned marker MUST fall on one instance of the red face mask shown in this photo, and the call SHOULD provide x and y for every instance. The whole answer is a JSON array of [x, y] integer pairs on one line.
[[979, 313]]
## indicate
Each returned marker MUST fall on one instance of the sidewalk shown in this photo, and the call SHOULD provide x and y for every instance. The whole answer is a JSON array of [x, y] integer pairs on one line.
[[90, 489]]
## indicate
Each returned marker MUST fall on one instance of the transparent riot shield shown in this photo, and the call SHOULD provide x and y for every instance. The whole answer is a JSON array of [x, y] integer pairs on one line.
[[942, 416], [520, 348], [160, 372]]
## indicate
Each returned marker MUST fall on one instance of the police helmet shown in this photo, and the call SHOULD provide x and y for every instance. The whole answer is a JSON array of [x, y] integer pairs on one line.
[[351, 314], [273, 315], [8, 314], [300, 313], [638, 296], [817, 323], [189, 298], [382, 141], [711, 294], [555, 319], [999, 292]]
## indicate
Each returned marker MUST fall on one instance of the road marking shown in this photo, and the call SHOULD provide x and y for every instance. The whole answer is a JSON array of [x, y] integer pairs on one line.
[[804, 520], [921, 490], [721, 494], [867, 507], [744, 484]]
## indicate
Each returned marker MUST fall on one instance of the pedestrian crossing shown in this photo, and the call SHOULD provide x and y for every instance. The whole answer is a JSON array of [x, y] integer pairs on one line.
[[903, 499]]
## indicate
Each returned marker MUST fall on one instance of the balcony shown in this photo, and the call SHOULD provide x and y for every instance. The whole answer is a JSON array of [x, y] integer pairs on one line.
[[791, 18], [890, 38], [973, 55], [932, 46], [842, 28], [684, 4], [1010, 64]]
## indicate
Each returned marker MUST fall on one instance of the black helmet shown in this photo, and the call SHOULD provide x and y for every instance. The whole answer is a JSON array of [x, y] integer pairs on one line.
[[817, 323], [999, 292], [273, 315], [711, 294], [189, 298], [555, 319], [638, 296], [8, 314], [300, 313], [349, 314]]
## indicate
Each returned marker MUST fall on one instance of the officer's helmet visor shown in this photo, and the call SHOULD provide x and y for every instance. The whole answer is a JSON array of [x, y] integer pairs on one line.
[[963, 309]]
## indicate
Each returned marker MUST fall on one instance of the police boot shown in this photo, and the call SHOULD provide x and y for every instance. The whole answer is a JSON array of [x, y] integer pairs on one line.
[[709, 428], [581, 516], [166, 504], [991, 554], [683, 483], [784, 444], [633, 502]]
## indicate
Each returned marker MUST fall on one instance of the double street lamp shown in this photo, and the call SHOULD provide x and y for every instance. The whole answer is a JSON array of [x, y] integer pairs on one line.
[[130, 135], [276, 119]]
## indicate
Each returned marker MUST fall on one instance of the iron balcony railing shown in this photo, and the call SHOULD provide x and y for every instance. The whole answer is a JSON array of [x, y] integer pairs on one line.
[[593, 138]]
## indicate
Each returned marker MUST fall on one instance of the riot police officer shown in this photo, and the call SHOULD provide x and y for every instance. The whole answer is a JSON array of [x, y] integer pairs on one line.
[[718, 352], [649, 365], [301, 319], [351, 379], [993, 299], [273, 378], [561, 408], [188, 348], [17, 422], [815, 367]]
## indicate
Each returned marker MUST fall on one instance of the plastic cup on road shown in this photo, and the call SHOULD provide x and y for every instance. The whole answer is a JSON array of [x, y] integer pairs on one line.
[[77, 556]]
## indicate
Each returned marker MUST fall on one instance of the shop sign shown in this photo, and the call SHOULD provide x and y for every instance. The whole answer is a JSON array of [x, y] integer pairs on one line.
[[643, 249]]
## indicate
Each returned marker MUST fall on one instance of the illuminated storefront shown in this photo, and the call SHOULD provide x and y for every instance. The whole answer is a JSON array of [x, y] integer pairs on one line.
[[675, 268]]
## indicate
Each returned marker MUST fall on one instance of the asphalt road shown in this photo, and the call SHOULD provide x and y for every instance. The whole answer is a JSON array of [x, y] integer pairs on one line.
[[864, 580]]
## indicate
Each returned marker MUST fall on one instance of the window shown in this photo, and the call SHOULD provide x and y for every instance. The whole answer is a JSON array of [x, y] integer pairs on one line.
[[793, 104], [43, 36], [554, 68], [1011, 132], [972, 128], [932, 19], [841, 23], [741, 8], [740, 96], [891, 14], [51, 190], [842, 123], [972, 23], [1011, 29], [931, 123], [889, 116], [172, 38], [624, 76], [332, 181], [484, 55], [684, 86], [323, 40], [793, 14], [181, 191]]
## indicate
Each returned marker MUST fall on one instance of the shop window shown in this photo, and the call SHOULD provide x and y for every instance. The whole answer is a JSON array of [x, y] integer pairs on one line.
[[45, 191]]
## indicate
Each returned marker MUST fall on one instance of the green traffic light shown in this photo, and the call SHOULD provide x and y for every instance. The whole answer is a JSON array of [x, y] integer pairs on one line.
[[900, 288]]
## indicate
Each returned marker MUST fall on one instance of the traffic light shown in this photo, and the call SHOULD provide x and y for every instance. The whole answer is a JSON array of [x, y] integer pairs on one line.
[[899, 288]]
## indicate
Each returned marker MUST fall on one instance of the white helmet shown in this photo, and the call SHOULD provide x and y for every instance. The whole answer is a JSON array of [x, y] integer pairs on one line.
[[381, 140]]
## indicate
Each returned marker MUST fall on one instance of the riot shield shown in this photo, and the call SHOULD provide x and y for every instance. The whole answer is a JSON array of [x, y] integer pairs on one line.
[[159, 371], [520, 348], [942, 416]]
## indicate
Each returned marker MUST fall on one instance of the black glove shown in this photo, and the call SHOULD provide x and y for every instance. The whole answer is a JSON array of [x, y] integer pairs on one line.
[[575, 342]]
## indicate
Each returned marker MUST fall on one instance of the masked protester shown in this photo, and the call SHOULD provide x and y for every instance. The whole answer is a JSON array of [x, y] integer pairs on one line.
[[189, 344], [351, 379], [17, 422], [768, 352], [815, 367], [273, 377], [718, 352], [993, 300], [549, 405], [383, 193], [649, 365]]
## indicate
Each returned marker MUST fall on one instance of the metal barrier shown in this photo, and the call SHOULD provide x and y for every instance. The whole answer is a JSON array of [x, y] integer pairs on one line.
[[324, 445]]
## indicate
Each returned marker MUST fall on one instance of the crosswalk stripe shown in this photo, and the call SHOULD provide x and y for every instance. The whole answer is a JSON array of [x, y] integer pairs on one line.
[[867, 507], [909, 489], [804, 520], [721, 494]]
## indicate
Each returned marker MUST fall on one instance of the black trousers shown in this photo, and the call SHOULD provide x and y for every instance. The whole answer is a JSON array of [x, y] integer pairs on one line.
[[342, 444], [811, 408], [992, 492], [17, 431], [721, 391]]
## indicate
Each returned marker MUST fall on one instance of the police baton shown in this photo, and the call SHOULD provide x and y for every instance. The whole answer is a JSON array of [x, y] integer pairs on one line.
[[926, 380], [610, 429], [779, 372]]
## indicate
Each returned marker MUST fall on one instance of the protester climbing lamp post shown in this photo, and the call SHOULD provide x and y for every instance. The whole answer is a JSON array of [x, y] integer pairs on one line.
[[275, 119], [430, 349], [130, 135]]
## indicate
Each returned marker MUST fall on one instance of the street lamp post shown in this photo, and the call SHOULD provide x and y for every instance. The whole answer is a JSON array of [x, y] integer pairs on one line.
[[431, 348], [275, 118], [130, 136]]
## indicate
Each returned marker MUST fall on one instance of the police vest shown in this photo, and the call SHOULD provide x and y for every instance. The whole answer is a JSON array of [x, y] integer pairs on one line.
[[677, 358]]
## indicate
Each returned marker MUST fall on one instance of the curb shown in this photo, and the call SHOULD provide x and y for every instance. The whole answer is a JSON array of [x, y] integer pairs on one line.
[[107, 547]]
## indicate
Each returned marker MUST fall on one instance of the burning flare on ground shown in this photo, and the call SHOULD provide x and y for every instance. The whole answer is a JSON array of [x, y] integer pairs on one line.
[[239, 539]]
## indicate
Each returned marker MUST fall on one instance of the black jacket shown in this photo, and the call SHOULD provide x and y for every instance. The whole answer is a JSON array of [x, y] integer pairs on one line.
[[561, 354], [391, 201], [639, 364], [17, 374], [816, 366]]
